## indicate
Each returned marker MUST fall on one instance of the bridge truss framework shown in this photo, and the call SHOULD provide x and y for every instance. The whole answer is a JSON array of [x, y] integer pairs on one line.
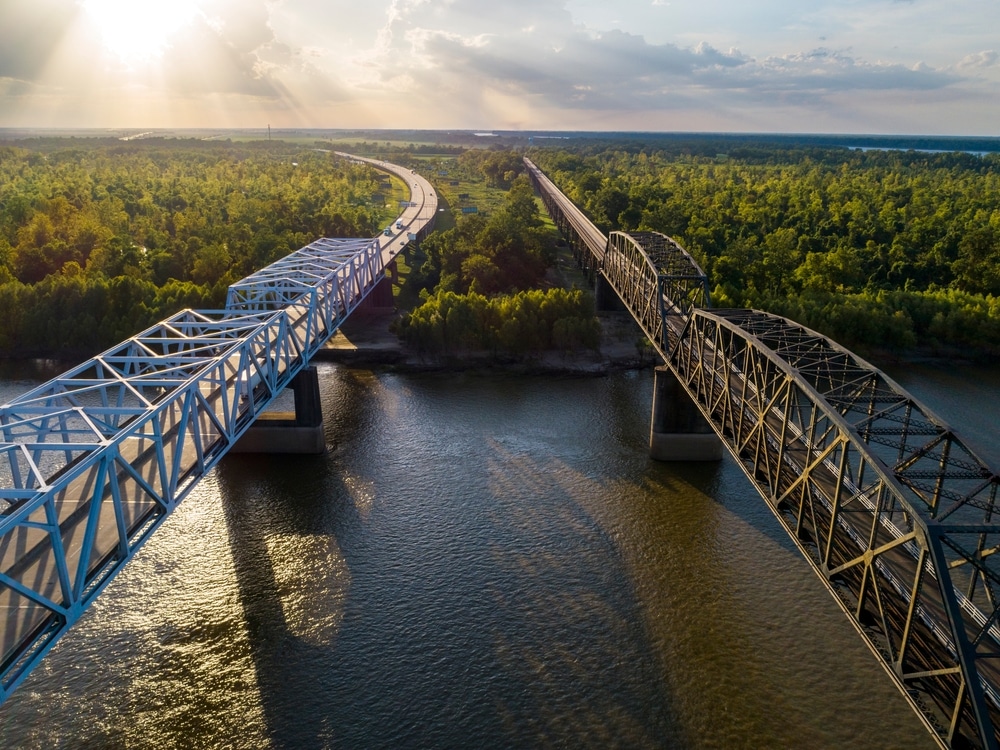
[[93, 461], [894, 512]]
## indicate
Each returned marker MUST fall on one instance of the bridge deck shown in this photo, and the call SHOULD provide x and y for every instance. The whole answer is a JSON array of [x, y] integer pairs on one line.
[[592, 237]]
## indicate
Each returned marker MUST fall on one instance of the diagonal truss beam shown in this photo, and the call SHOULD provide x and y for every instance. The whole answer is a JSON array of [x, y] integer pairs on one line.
[[863, 503]]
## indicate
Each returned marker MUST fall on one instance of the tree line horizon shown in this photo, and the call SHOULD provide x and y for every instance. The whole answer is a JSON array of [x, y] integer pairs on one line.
[[881, 250]]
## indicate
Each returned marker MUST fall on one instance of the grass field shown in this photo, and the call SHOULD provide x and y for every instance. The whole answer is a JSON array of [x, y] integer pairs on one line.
[[457, 191]]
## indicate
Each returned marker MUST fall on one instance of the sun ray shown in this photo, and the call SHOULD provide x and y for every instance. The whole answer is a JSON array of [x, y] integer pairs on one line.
[[139, 32]]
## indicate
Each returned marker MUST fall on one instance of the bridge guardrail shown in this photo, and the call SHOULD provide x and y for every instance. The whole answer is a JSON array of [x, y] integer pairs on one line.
[[94, 460]]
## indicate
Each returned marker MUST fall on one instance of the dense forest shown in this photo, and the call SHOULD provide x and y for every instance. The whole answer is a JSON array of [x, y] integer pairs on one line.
[[484, 281], [882, 250], [99, 239]]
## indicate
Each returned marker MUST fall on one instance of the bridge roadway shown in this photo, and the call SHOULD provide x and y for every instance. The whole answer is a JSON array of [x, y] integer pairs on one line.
[[890, 507], [93, 461]]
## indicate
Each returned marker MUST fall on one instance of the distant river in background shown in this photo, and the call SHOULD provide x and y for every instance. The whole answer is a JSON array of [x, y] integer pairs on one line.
[[478, 561]]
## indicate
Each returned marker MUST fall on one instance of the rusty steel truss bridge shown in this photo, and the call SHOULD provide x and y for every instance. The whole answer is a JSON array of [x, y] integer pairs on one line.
[[891, 508], [894, 512]]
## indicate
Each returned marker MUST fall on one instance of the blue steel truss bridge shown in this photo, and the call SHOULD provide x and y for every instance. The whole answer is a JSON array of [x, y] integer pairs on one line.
[[892, 509], [93, 461]]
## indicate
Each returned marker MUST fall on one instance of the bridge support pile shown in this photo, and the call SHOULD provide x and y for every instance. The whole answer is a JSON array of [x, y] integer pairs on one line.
[[897, 516], [381, 297], [92, 462], [606, 298], [300, 432], [678, 431]]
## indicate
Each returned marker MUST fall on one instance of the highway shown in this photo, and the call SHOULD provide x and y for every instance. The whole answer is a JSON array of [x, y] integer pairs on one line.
[[94, 460], [417, 218]]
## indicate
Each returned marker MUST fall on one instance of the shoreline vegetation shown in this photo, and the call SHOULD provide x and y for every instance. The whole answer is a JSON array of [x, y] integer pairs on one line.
[[891, 254], [367, 341], [894, 254]]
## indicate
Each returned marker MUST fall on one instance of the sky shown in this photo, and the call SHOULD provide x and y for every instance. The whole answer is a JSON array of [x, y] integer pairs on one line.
[[791, 66]]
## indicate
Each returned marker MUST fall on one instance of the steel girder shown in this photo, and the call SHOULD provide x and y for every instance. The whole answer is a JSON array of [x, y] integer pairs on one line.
[[94, 460], [890, 507], [658, 280], [587, 241], [323, 281]]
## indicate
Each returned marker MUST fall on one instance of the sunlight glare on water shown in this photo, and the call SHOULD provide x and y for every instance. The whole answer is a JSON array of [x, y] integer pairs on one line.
[[478, 561]]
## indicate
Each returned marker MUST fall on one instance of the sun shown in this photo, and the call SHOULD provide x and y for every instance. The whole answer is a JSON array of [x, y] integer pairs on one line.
[[139, 30]]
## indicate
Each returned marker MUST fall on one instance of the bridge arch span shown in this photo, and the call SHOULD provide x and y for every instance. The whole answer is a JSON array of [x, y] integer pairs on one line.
[[892, 510], [657, 279]]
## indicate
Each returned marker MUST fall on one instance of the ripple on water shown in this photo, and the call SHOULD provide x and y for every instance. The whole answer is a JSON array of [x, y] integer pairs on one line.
[[478, 562]]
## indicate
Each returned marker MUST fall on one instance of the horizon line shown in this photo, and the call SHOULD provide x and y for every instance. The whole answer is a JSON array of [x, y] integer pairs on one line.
[[487, 132]]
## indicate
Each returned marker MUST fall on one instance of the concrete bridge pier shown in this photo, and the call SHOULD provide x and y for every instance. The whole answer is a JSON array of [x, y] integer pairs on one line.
[[678, 431], [380, 298], [300, 432], [606, 299]]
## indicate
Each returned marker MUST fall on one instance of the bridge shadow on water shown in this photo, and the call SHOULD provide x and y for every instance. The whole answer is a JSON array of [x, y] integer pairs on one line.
[[385, 617], [453, 583], [284, 662]]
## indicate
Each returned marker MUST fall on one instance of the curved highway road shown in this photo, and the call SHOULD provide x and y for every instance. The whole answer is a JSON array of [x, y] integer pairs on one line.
[[417, 218]]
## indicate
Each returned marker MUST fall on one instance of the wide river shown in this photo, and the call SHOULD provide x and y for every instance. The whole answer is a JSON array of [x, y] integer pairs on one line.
[[478, 561]]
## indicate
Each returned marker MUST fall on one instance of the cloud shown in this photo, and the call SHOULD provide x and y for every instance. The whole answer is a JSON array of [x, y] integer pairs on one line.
[[233, 50], [227, 49], [482, 63], [985, 59], [544, 57], [822, 71]]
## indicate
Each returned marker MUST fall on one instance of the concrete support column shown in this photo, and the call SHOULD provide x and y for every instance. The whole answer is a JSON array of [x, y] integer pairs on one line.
[[606, 299], [380, 297], [308, 407], [678, 431], [300, 432]]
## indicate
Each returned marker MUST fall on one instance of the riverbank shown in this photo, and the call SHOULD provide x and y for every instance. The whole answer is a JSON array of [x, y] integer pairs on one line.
[[365, 340]]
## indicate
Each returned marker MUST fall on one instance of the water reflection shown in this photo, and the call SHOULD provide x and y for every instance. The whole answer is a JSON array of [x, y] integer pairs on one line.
[[292, 580], [599, 643], [477, 562]]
